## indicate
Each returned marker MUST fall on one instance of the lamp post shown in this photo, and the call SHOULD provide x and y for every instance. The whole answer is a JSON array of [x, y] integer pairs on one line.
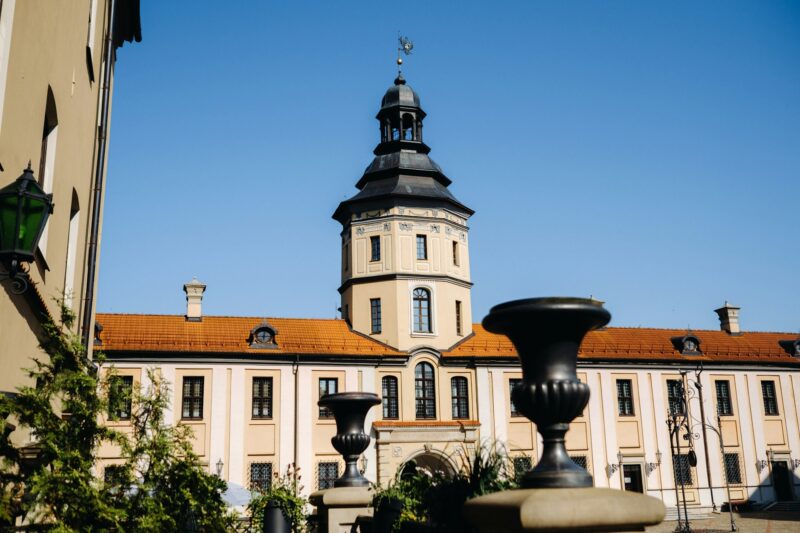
[[678, 422], [24, 210]]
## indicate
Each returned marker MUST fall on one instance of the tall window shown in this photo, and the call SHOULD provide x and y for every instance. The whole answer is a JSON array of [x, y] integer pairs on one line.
[[425, 391], [346, 258], [327, 386], [459, 330], [375, 312], [192, 398], [675, 397], [47, 157], [375, 244], [389, 398], [682, 469], [733, 470], [770, 399], [513, 383], [120, 389], [260, 476], [262, 397], [422, 311], [625, 397], [521, 464], [72, 250], [327, 474], [422, 247], [723, 397], [455, 253], [460, 395]]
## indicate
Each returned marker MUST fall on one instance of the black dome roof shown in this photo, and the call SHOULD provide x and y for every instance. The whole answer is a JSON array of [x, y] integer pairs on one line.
[[400, 94]]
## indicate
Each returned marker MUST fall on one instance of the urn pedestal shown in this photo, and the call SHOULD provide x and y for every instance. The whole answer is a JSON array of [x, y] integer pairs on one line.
[[558, 495], [339, 508]]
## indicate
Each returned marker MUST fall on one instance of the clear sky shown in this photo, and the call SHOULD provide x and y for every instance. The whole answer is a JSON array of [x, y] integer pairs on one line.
[[644, 153]]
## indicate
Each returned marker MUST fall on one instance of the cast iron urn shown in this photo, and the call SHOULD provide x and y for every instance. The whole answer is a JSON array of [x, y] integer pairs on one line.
[[547, 333], [350, 409]]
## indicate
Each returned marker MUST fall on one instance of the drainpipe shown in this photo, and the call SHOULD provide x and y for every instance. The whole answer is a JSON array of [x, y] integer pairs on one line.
[[102, 138], [295, 366]]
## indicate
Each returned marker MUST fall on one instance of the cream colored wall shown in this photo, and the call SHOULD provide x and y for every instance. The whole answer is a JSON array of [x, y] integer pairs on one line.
[[398, 229], [46, 46]]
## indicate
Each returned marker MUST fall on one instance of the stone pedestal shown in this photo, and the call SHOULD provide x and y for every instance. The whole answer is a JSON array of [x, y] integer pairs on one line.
[[578, 509], [338, 508]]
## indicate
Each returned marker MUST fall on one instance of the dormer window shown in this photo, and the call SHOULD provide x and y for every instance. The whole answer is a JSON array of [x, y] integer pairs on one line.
[[263, 336], [687, 345], [791, 347]]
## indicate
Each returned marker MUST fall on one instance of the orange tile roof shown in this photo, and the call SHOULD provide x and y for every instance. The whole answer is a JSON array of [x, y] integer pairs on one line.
[[224, 334], [649, 344], [312, 336]]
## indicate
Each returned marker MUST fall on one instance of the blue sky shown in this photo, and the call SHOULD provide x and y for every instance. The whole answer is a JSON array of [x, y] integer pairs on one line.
[[644, 153]]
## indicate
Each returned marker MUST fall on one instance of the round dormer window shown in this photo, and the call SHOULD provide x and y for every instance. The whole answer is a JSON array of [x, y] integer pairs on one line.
[[689, 345], [263, 336]]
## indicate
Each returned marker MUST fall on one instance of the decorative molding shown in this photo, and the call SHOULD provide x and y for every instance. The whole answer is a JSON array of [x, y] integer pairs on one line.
[[435, 228], [360, 230], [406, 227], [387, 226]]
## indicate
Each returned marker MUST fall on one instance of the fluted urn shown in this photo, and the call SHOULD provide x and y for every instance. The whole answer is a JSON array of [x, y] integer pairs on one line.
[[547, 333], [350, 410]]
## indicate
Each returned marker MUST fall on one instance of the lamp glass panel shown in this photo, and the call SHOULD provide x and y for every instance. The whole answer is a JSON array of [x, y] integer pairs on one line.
[[8, 220], [33, 211]]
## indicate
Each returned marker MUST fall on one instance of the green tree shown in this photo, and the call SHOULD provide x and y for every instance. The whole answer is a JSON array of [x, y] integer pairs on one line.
[[163, 485], [51, 480]]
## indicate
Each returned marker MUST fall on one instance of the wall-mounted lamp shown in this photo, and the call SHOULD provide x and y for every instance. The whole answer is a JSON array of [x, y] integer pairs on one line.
[[795, 464], [612, 468], [363, 468], [220, 466], [651, 467], [761, 464], [24, 210]]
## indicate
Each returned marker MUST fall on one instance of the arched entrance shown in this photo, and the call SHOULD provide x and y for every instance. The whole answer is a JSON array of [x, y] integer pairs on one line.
[[431, 461]]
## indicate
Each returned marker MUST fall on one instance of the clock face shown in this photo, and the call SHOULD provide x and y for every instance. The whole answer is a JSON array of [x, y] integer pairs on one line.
[[689, 345]]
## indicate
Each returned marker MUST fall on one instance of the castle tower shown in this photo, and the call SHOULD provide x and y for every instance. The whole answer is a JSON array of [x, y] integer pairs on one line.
[[405, 244]]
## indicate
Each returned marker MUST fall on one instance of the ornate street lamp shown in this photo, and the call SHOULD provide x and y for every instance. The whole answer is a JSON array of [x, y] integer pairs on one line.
[[24, 210]]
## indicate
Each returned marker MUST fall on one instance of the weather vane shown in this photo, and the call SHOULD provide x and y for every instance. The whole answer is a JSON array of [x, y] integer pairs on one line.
[[405, 47]]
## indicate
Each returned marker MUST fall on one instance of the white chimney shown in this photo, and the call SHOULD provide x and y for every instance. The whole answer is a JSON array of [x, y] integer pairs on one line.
[[729, 318], [194, 299]]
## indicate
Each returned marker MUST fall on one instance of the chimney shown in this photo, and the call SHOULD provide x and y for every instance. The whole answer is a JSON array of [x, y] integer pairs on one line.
[[194, 298], [729, 318]]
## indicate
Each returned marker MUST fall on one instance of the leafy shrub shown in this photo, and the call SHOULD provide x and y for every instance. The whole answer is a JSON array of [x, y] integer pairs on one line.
[[285, 492]]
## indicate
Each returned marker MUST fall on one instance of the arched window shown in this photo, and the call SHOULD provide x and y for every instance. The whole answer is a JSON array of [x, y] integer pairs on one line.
[[422, 311], [408, 127], [425, 391], [47, 158], [389, 394], [460, 396], [72, 251]]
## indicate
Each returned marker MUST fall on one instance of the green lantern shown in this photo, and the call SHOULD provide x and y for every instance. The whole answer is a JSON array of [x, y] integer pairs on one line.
[[24, 209]]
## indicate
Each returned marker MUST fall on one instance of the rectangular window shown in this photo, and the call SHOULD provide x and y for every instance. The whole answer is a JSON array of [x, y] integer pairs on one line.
[[326, 475], [733, 470], [375, 312], [113, 475], [513, 384], [422, 247], [770, 399], [675, 397], [459, 390], [375, 243], [625, 397], [346, 258], [120, 389], [521, 465], [262, 397], [389, 398], [260, 476], [459, 331], [723, 398], [327, 386], [455, 253], [682, 470], [192, 398], [580, 460]]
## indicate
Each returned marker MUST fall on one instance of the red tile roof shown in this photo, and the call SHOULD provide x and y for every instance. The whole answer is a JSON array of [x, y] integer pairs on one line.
[[222, 334], [649, 344]]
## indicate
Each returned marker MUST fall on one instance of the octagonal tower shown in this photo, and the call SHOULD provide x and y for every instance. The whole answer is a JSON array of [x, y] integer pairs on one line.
[[405, 243]]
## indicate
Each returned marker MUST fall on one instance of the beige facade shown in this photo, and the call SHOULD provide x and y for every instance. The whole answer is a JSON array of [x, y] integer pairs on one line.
[[51, 100]]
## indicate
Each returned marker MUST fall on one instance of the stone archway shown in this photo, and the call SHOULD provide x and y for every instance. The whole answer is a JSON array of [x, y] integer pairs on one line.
[[431, 461]]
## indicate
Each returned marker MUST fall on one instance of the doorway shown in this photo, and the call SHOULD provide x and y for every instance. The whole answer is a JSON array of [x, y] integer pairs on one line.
[[632, 476], [782, 481]]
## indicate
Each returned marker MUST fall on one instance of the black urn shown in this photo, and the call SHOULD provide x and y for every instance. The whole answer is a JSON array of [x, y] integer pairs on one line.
[[350, 409], [547, 333]]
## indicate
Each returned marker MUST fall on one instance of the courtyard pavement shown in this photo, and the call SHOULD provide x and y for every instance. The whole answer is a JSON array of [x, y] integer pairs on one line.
[[761, 522]]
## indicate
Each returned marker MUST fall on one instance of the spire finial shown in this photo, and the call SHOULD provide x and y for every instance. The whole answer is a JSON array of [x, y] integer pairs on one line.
[[404, 46]]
